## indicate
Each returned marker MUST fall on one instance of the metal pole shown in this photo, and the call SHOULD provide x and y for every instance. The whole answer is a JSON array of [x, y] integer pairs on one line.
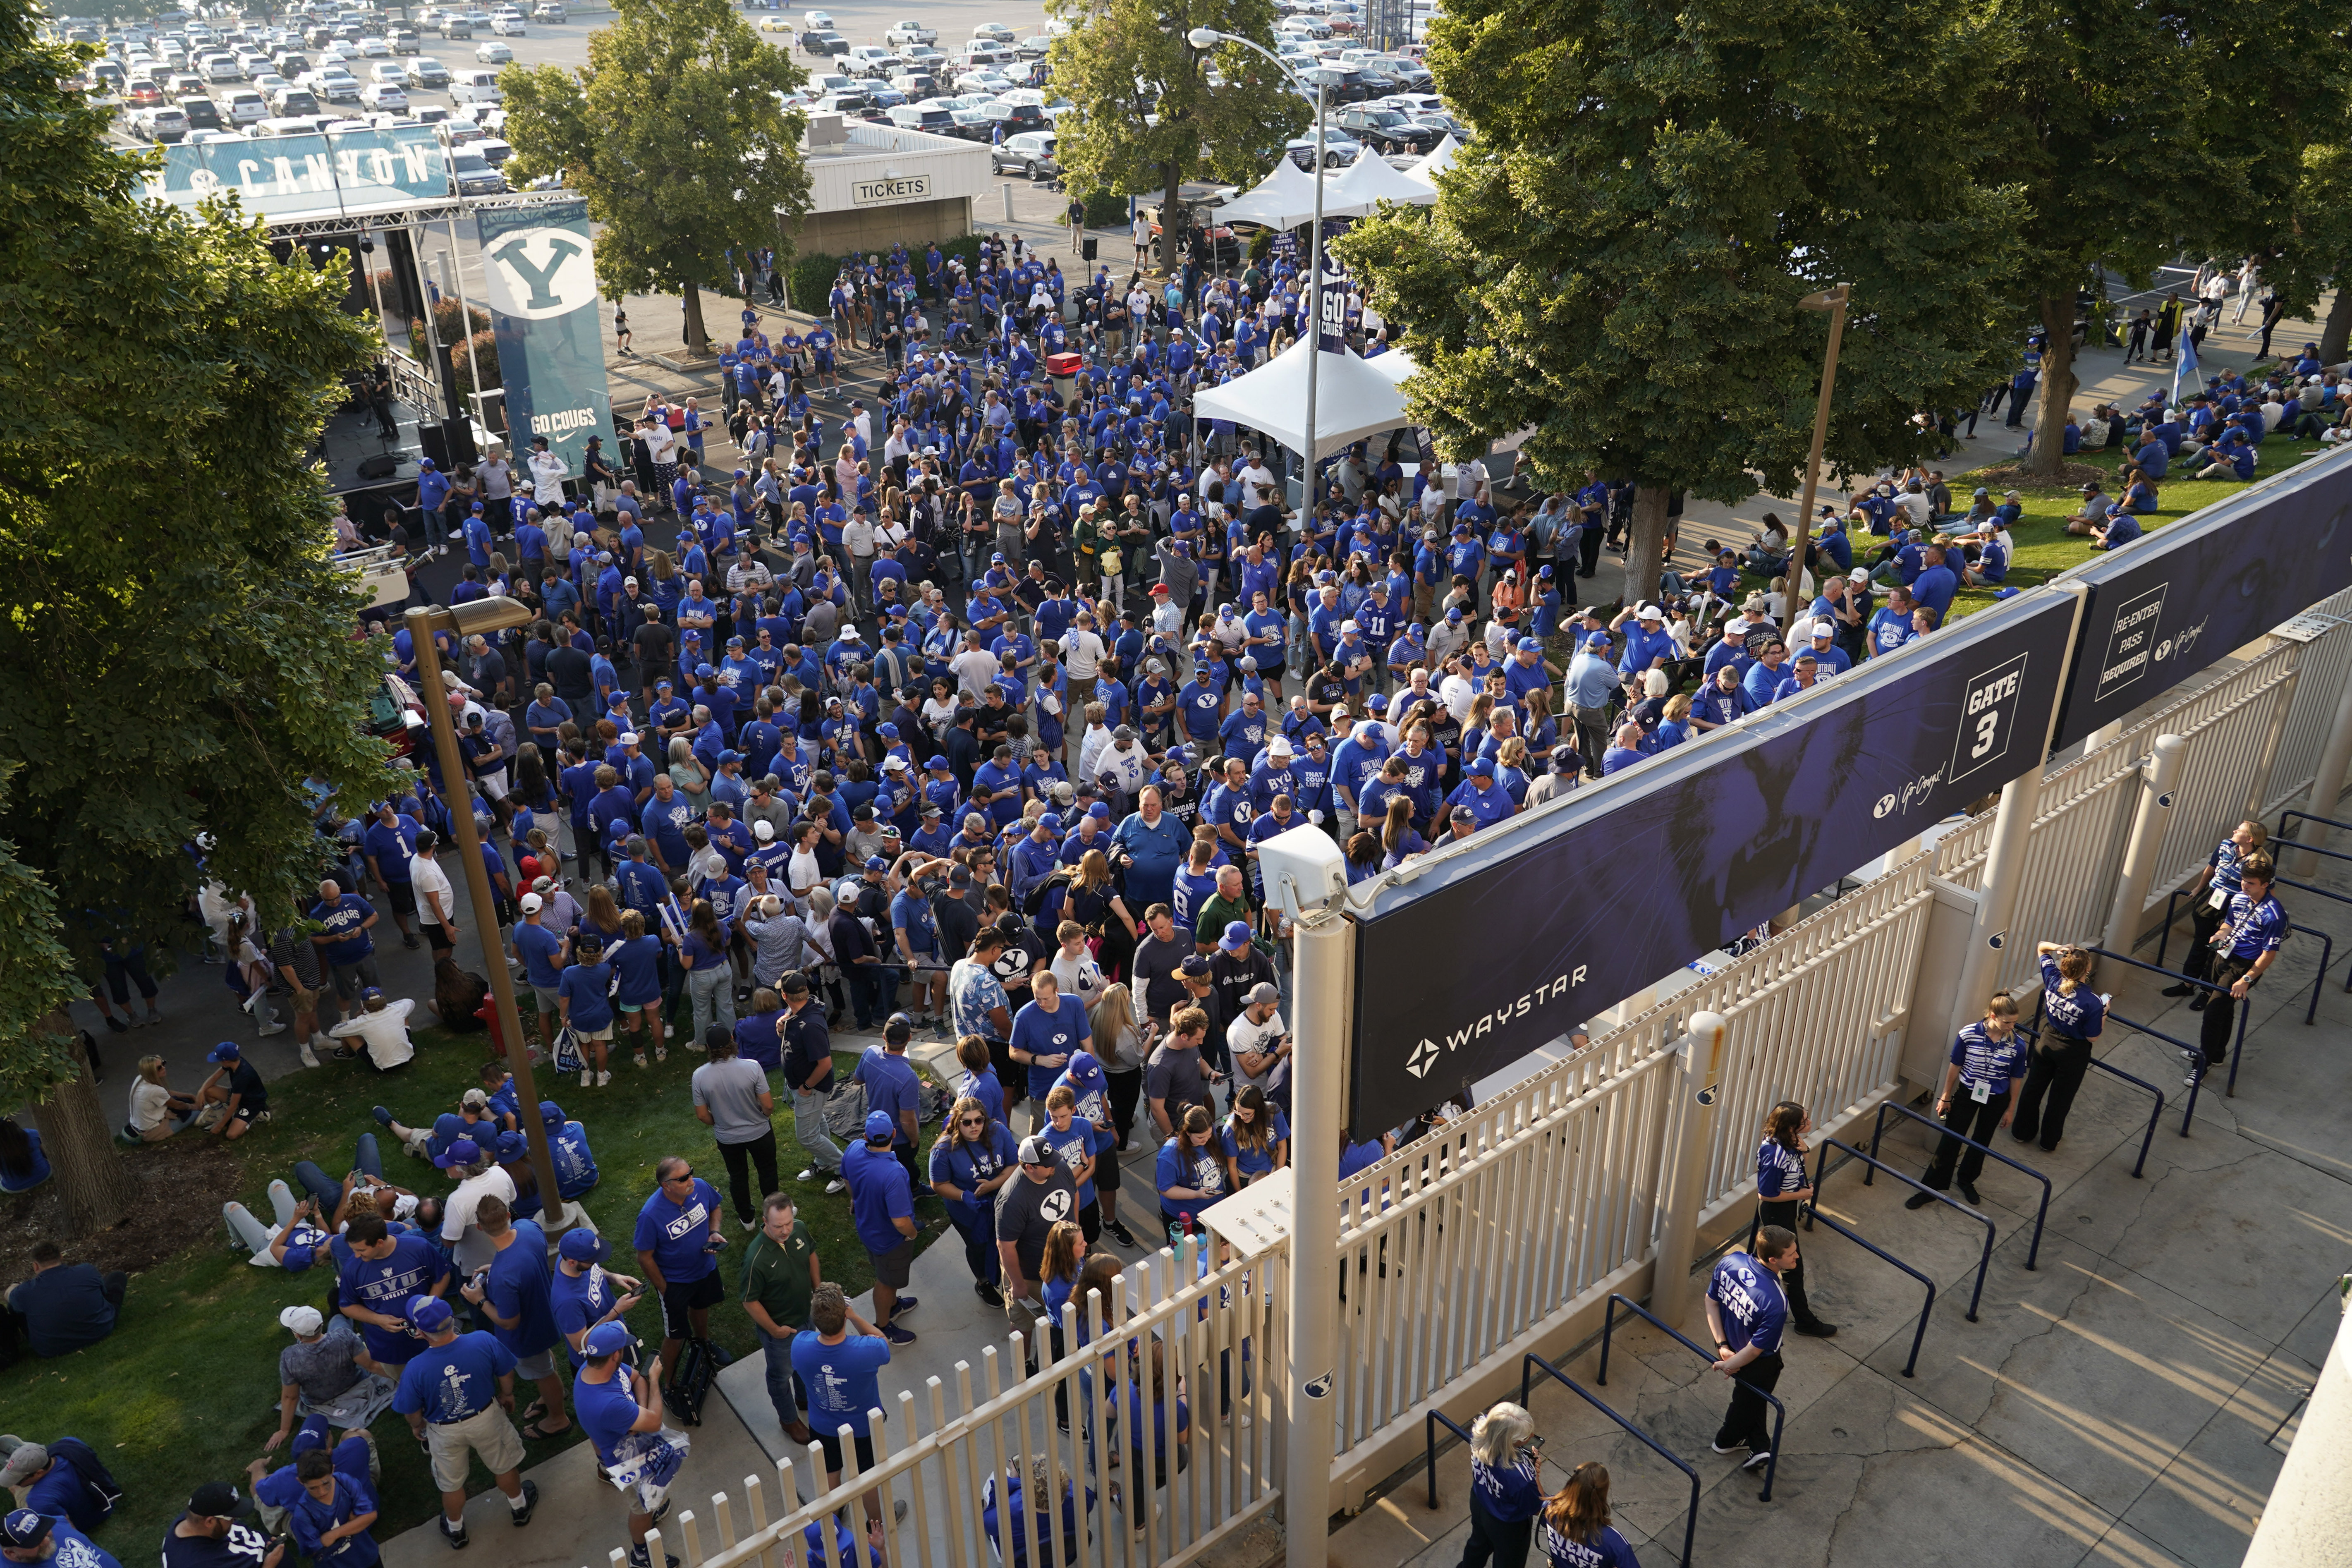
[[421, 625], [2148, 826], [1834, 300], [1314, 304], [1690, 1135], [1324, 951], [2327, 785]]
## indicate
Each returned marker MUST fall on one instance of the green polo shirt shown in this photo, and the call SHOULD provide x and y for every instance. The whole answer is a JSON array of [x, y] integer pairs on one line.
[[777, 1276]]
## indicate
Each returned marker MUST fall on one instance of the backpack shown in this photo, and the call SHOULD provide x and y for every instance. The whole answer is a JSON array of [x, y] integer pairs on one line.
[[96, 1478]]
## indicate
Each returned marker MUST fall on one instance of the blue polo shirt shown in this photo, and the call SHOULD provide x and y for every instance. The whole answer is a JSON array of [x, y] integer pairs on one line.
[[879, 1194], [676, 1233]]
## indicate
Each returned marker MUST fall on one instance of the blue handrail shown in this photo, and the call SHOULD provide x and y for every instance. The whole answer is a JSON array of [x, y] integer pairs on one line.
[[2237, 1046], [2155, 1116], [1690, 1519], [1878, 1129], [1820, 1169], [1429, 1428], [1779, 1411], [1812, 1212]]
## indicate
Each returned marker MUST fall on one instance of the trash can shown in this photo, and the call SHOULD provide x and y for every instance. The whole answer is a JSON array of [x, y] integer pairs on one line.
[[1064, 370]]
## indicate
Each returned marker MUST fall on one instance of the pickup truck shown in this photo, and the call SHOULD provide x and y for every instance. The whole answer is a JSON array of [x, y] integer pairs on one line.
[[910, 31]]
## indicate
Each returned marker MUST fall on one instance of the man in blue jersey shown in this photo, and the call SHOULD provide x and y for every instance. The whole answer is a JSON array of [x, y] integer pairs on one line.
[[456, 1392], [1748, 1314]]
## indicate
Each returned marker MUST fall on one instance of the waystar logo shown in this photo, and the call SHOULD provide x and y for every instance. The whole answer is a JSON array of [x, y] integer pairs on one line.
[[540, 272], [1427, 1053]]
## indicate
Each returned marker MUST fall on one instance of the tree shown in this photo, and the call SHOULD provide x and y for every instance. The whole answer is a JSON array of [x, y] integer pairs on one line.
[[2197, 147], [2319, 247], [1617, 259], [675, 133], [1146, 117], [177, 637]]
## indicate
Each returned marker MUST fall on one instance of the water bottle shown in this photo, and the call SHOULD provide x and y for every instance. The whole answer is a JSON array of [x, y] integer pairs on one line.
[[1181, 1229]]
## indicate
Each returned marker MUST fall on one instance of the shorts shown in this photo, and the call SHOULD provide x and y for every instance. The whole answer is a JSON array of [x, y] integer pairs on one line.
[[438, 937], [248, 1113], [531, 1368], [351, 979], [678, 1300], [494, 785], [601, 1032], [631, 1006], [489, 1434], [891, 1267], [545, 997], [402, 897], [1107, 1172], [830, 1442]]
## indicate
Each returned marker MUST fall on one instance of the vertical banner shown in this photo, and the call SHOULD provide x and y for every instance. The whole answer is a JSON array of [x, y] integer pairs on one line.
[[1332, 313], [542, 268]]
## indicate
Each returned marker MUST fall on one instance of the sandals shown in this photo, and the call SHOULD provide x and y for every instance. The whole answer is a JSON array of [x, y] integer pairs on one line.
[[538, 1432]]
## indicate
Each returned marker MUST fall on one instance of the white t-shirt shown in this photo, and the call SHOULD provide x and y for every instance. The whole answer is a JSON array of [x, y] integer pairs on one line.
[[430, 879], [471, 1249], [1256, 479], [1257, 1040], [1083, 651], [150, 1104], [384, 1033]]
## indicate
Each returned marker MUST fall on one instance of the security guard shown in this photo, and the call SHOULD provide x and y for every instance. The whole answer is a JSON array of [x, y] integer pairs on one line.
[[2073, 1016], [1748, 1312], [2247, 945], [1780, 1185], [2217, 884], [1988, 1062]]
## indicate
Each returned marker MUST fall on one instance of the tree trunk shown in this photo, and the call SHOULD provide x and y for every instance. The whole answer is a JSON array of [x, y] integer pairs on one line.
[[697, 341], [2338, 333], [2058, 383], [1645, 549], [96, 1187], [1172, 217]]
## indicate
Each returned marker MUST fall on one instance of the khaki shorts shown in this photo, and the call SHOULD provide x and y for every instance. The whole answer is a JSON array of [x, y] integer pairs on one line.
[[490, 1433]]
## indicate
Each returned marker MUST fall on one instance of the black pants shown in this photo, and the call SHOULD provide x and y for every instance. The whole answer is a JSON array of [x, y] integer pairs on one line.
[[1588, 551], [1793, 1282], [1968, 1118], [1745, 1423], [2206, 921], [1125, 1089], [1503, 1541], [2056, 1070], [1592, 736], [2222, 1011], [760, 1152]]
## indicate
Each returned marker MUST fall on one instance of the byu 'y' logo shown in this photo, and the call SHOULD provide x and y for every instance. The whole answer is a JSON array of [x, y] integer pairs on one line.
[[540, 272]]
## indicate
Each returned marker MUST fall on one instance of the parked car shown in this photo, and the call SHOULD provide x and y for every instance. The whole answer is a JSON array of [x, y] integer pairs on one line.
[[924, 117], [1387, 131], [972, 125], [873, 60], [1338, 151], [776, 24], [817, 21], [550, 12], [203, 113], [1032, 152], [427, 72], [403, 40], [490, 52], [474, 174], [244, 106], [1033, 48], [994, 31], [923, 55], [220, 68], [990, 82], [388, 97], [509, 27], [292, 102], [453, 27], [915, 84], [476, 87], [823, 43], [163, 123], [910, 31]]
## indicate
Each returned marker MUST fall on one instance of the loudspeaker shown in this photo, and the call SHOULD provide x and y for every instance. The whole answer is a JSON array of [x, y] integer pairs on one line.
[[435, 444], [380, 467], [458, 435], [1087, 248]]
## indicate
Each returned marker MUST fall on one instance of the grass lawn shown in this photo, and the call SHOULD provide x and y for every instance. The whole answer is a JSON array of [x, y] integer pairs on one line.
[[2044, 549], [186, 1390]]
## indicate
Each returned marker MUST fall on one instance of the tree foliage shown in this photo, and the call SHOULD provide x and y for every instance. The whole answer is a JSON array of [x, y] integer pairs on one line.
[[1617, 259], [675, 134], [177, 639], [2196, 147], [1146, 117]]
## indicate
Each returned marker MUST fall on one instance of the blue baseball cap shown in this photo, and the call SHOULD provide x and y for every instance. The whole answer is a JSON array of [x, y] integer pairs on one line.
[[1529, 645], [428, 1314], [1483, 767], [937, 762], [463, 1152], [1051, 822], [1236, 937], [583, 1245], [225, 1052], [606, 1339], [880, 1125]]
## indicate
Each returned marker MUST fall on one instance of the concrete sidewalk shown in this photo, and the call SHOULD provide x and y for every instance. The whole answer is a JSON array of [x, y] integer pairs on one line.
[[2108, 1408]]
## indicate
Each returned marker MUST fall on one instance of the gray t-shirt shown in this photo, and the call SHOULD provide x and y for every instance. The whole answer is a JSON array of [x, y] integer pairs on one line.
[[324, 1368], [731, 1090], [1174, 1075], [1027, 1210]]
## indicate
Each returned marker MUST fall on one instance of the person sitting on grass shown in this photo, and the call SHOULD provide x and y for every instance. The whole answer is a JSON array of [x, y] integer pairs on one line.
[[380, 1028], [157, 1110], [64, 1307], [2120, 529], [29, 1537], [2092, 514], [325, 1379]]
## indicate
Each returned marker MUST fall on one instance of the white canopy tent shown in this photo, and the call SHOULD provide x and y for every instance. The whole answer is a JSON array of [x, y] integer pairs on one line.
[[1354, 398], [1436, 162], [1284, 199], [1371, 179]]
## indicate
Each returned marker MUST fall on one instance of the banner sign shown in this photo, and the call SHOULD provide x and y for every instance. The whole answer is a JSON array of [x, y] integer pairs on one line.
[[2174, 602], [1331, 315], [540, 263], [289, 178], [1508, 943], [884, 191]]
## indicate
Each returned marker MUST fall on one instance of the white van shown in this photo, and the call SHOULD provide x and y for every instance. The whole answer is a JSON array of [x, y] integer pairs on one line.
[[476, 87]]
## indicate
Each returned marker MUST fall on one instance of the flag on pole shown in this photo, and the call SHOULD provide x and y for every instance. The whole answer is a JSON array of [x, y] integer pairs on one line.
[[2186, 363]]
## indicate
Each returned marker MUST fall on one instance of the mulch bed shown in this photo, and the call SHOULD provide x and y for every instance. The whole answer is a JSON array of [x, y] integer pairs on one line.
[[181, 1183], [2014, 477]]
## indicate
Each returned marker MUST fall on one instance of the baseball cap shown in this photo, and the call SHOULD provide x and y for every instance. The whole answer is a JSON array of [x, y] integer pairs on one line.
[[937, 762], [1463, 814], [583, 1245], [875, 863], [301, 1319], [24, 1528], [463, 1152], [1236, 937], [1100, 809], [429, 1314], [213, 1499], [1453, 612], [1051, 822], [513, 1146], [1279, 746], [1034, 1151], [1085, 1065], [1196, 967], [1483, 767], [629, 738], [223, 1052], [24, 1463], [880, 1125], [532, 903], [605, 1339], [1598, 640], [1858, 575], [1646, 613]]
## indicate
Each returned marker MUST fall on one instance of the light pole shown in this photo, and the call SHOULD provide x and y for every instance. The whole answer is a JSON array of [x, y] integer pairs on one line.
[[484, 617], [1833, 302], [1209, 39]]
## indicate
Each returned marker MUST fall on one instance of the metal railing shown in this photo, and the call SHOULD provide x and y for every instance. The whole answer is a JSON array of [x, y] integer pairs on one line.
[[1779, 1411], [1813, 1216], [1528, 1366], [1870, 1176], [2040, 1215]]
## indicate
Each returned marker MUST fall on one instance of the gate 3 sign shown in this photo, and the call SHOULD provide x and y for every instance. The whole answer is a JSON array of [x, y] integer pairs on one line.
[[1530, 928]]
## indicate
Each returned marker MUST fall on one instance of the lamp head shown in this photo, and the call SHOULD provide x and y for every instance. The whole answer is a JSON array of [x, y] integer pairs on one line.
[[1204, 37]]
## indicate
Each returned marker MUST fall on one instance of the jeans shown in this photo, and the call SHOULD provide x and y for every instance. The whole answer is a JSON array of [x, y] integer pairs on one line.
[[786, 1392], [713, 997], [808, 1126], [126, 968], [872, 988], [325, 1188], [760, 1154], [980, 1254]]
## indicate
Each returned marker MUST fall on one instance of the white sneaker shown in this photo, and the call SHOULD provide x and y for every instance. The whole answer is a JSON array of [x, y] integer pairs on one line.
[[322, 1042], [310, 1058], [807, 1176], [269, 1029], [587, 1077], [602, 1078], [835, 1186]]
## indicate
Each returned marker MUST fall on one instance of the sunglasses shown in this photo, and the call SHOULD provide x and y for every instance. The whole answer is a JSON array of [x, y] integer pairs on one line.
[[971, 1121]]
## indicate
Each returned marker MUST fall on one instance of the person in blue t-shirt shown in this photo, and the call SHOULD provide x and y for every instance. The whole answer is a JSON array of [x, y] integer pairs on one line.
[[892, 1088], [378, 1276], [331, 1514], [1574, 1528], [678, 1236], [621, 1410], [456, 1392], [1986, 1064], [2073, 1017], [518, 1292], [1049, 1027], [1505, 1487], [840, 1369], [1748, 1313], [882, 1205], [584, 1001]]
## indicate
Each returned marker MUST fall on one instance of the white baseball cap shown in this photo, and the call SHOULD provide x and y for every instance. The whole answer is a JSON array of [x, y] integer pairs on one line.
[[532, 903]]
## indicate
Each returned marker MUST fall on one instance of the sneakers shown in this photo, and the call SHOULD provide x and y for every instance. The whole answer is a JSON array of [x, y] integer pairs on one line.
[[1720, 1446], [530, 1501], [641, 1058], [1120, 1233], [309, 1057], [273, 1028], [749, 1224], [1815, 1329], [638, 1556], [2183, 989], [602, 1078], [661, 1053], [1757, 1460], [587, 1077], [981, 1288], [810, 1174], [2197, 1002], [1918, 1200], [118, 1025], [383, 1117], [454, 1535], [835, 1185], [1969, 1195], [896, 1335], [904, 1305]]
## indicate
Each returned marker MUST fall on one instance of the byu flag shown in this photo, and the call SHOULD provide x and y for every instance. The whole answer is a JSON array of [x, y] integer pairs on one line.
[[2186, 365], [540, 264]]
